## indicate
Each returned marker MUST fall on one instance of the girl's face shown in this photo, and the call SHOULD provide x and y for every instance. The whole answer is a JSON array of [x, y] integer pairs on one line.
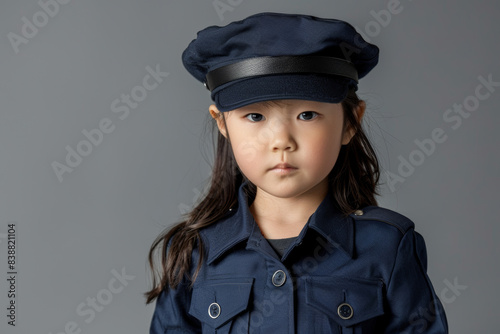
[[286, 148]]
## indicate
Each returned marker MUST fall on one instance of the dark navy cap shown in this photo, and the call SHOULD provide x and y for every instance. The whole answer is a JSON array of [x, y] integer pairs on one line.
[[273, 56]]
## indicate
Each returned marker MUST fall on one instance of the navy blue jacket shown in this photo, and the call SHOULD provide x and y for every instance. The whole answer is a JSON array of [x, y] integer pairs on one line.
[[362, 273]]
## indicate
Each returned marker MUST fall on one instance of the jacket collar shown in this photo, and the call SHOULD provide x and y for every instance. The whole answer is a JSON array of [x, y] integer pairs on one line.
[[221, 237]]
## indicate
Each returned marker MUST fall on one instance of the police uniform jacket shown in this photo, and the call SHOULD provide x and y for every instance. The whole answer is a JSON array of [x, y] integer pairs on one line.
[[361, 273]]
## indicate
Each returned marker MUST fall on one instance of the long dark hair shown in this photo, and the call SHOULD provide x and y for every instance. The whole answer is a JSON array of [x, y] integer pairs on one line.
[[353, 179]]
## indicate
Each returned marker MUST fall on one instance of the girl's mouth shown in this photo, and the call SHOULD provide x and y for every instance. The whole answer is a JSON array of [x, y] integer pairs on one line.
[[283, 168]]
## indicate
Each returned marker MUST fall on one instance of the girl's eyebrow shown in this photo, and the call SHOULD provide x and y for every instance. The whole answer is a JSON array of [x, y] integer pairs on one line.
[[252, 108], [282, 106], [246, 111], [268, 105]]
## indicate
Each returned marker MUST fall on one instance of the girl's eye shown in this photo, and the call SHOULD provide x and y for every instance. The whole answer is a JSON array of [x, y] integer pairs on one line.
[[254, 117], [308, 115]]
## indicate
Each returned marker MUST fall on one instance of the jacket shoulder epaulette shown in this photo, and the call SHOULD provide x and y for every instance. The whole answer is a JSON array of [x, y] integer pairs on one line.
[[376, 213]]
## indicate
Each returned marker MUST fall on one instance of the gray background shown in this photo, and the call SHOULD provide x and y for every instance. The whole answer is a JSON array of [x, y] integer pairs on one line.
[[104, 215]]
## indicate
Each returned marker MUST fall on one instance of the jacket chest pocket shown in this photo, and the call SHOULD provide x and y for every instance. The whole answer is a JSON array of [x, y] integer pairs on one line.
[[217, 302], [351, 305]]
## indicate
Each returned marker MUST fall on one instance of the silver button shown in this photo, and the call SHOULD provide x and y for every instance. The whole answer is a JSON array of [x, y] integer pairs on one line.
[[279, 278], [345, 311], [214, 310], [358, 212]]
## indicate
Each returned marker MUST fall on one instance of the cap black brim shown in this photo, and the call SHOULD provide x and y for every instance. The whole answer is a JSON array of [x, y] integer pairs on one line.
[[321, 88]]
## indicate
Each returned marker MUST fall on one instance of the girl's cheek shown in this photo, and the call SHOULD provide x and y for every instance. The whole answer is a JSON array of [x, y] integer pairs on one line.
[[265, 135], [323, 142], [246, 152]]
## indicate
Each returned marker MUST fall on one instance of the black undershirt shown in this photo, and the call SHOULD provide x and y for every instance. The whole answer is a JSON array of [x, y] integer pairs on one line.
[[281, 245]]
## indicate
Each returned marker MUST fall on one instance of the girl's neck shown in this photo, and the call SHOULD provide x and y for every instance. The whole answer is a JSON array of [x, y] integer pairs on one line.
[[280, 218]]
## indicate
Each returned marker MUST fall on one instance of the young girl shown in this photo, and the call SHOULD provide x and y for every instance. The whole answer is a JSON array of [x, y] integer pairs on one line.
[[289, 238]]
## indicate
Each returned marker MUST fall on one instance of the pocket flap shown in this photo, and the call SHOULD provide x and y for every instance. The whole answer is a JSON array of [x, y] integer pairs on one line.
[[214, 302], [348, 301]]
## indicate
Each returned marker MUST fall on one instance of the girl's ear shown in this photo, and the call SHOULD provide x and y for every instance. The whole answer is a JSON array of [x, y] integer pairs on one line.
[[359, 111], [217, 115]]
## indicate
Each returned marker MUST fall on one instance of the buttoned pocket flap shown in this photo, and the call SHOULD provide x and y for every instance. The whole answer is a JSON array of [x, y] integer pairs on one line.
[[215, 302], [348, 301]]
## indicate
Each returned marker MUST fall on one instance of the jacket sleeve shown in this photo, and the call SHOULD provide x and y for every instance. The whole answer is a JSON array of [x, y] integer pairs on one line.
[[412, 302], [171, 312]]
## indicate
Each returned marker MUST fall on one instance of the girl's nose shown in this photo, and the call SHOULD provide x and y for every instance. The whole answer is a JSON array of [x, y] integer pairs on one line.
[[283, 138]]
